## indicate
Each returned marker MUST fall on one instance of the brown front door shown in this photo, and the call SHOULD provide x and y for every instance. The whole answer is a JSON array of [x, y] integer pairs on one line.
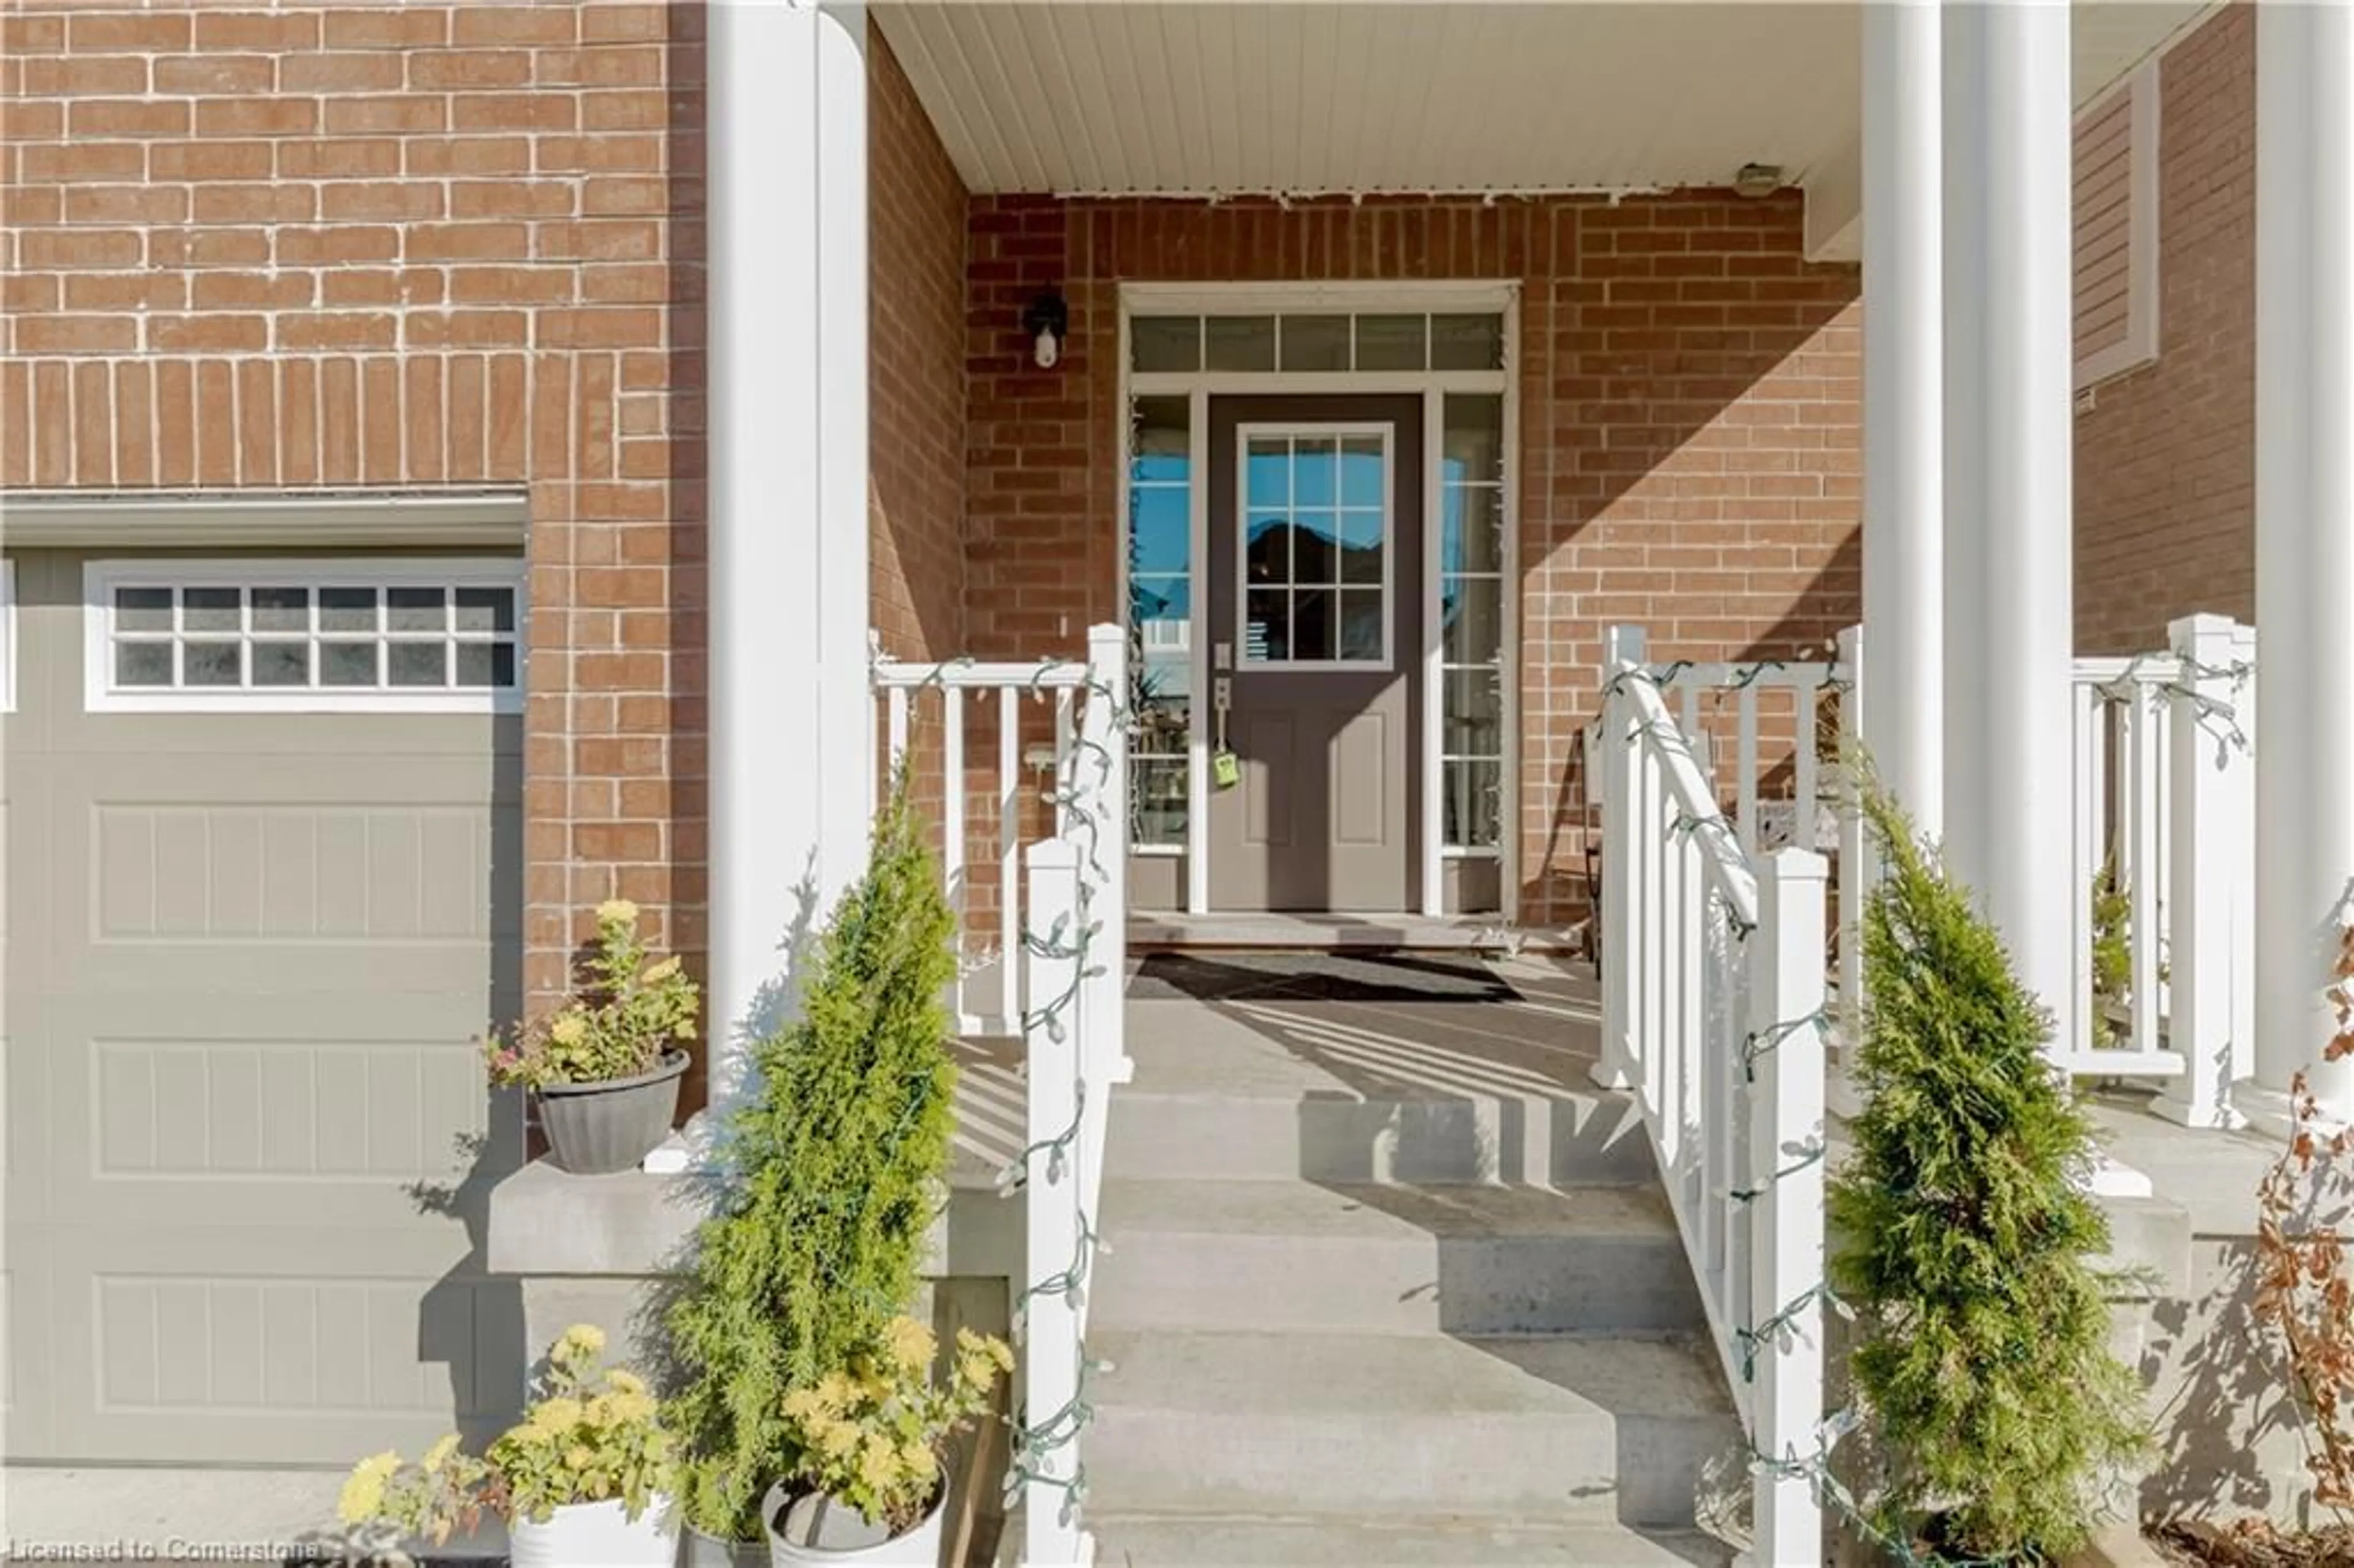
[[1316, 625]]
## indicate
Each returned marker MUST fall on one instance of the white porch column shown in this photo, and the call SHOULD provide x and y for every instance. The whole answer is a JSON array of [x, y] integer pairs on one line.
[[790, 775], [2304, 529], [2008, 546], [1903, 405]]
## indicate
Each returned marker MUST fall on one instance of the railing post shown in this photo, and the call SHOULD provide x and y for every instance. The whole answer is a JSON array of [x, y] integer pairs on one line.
[[2199, 1025], [1622, 648], [1855, 868], [2243, 773], [1102, 770], [1050, 1361], [1786, 1166]]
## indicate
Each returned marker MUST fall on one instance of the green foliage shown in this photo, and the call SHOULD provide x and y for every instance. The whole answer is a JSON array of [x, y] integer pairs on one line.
[[628, 1013], [870, 1433], [592, 1435], [2111, 951], [1962, 1241], [838, 1159]]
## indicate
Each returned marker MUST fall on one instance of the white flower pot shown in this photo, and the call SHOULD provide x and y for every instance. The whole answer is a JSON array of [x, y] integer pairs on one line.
[[814, 1531], [597, 1535]]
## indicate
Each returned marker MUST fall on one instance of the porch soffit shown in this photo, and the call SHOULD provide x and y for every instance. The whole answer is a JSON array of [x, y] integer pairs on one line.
[[1212, 98]]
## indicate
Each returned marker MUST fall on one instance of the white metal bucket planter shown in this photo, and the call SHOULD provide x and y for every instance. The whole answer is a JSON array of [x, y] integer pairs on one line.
[[597, 1535], [814, 1531]]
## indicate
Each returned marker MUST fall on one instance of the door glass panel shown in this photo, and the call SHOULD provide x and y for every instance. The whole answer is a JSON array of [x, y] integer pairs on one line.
[[1165, 343], [1314, 634], [1267, 625], [1473, 539], [1239, 343], [1316, 518], [1473, 445], [1472, 803], [1474, 612], [1466, 342], [1392, 343], [1475, 713], [1159, 519], [1316, 343]]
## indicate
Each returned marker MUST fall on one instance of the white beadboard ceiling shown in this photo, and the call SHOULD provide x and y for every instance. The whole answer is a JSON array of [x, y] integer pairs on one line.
[[1237, 97]]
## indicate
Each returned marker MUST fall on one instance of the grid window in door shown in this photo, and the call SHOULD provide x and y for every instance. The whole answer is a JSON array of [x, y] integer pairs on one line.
[[1160, 619], [1314, 551]]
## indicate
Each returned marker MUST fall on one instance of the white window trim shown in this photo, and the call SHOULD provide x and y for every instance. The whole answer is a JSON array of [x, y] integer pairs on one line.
[[7, 637], [2143, 166], [1318, 429], [101, 579]]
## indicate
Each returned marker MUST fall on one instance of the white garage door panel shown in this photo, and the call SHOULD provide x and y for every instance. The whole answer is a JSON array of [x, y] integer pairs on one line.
[[249, 957]]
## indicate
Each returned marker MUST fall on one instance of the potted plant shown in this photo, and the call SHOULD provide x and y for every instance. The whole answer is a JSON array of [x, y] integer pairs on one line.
[[587, 1479], [831, 1171], [869, 1484], [606, 1066]]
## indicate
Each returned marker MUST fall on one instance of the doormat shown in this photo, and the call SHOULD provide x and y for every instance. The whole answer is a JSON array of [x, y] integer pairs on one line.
[[1319, 976]]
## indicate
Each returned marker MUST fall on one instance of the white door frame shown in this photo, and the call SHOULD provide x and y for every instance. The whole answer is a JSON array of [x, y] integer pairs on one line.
[[1197, 387]]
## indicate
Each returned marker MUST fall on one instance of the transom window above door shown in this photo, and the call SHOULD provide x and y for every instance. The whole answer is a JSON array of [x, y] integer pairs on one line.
[[1315, 548], [1319, 340]]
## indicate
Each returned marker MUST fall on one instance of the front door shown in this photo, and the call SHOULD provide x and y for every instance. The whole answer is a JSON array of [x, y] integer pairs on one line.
[[1316, 637]]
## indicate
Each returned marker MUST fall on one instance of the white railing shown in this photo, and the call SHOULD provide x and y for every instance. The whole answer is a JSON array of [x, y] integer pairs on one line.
[[957, 695], [1062, 929], [2163, 814], [1714, 1019]]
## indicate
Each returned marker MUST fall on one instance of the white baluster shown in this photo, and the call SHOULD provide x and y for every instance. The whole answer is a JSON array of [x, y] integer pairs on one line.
[[1009, 850], [952, 786], [1807, 699], [1744, 788], [2144, 847], [1621, 907], [2091, 840]]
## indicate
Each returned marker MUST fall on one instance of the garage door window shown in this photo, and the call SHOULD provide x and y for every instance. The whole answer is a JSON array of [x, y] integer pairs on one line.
[[293, 636]]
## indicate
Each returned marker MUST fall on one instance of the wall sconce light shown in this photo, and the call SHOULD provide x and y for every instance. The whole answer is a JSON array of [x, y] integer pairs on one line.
[[1757, 181], [1048, 322]]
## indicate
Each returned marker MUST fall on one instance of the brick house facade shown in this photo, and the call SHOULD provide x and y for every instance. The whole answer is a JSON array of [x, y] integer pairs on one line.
[[2164, 481]]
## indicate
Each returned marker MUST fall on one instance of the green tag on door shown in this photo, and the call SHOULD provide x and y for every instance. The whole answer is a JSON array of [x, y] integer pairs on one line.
[[1226, 769]]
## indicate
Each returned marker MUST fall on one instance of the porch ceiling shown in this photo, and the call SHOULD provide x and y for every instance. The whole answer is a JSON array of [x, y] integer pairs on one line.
[[1236, 97]]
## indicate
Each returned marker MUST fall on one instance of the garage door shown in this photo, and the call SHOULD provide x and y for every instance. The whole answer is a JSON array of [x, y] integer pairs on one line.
[[263, 891]]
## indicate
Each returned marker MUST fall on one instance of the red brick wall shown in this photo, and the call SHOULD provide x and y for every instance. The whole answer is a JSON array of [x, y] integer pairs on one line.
[[401, 246], [917, 316], [1690, 452], [2166, 457]]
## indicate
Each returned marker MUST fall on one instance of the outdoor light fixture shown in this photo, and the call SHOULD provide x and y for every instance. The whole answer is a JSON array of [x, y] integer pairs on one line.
[[1048, 322], [1758, 179]]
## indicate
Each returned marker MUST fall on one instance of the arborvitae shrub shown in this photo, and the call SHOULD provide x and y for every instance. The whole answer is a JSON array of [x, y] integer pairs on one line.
[[835, 1161], [1963, 1242]]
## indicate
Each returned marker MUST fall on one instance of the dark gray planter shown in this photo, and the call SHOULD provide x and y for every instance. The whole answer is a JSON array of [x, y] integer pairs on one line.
[[596, 1129]]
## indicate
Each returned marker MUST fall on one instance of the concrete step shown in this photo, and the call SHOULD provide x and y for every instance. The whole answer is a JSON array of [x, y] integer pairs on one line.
[[1401, 1132], [1465, 1543], [1467, 1259], [1618, 1431]]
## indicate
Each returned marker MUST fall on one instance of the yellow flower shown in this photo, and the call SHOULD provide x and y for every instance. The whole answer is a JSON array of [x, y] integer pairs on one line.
[[617, 912], [362, 1491], [579, 1455], [585, 1339], [569, 1029], [878, 1463], [439, 1454], [661, 971], [804, 1405], [837, 1439], [836, 1390], [908, 1343], [995, 1349], [557, 1416], [918, 1460], [624, 1382]]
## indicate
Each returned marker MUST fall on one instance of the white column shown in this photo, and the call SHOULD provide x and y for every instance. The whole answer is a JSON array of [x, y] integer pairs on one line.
[[1962, 104], [790, 775], [2304, 529], [1904, 404], [2010, 606]]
